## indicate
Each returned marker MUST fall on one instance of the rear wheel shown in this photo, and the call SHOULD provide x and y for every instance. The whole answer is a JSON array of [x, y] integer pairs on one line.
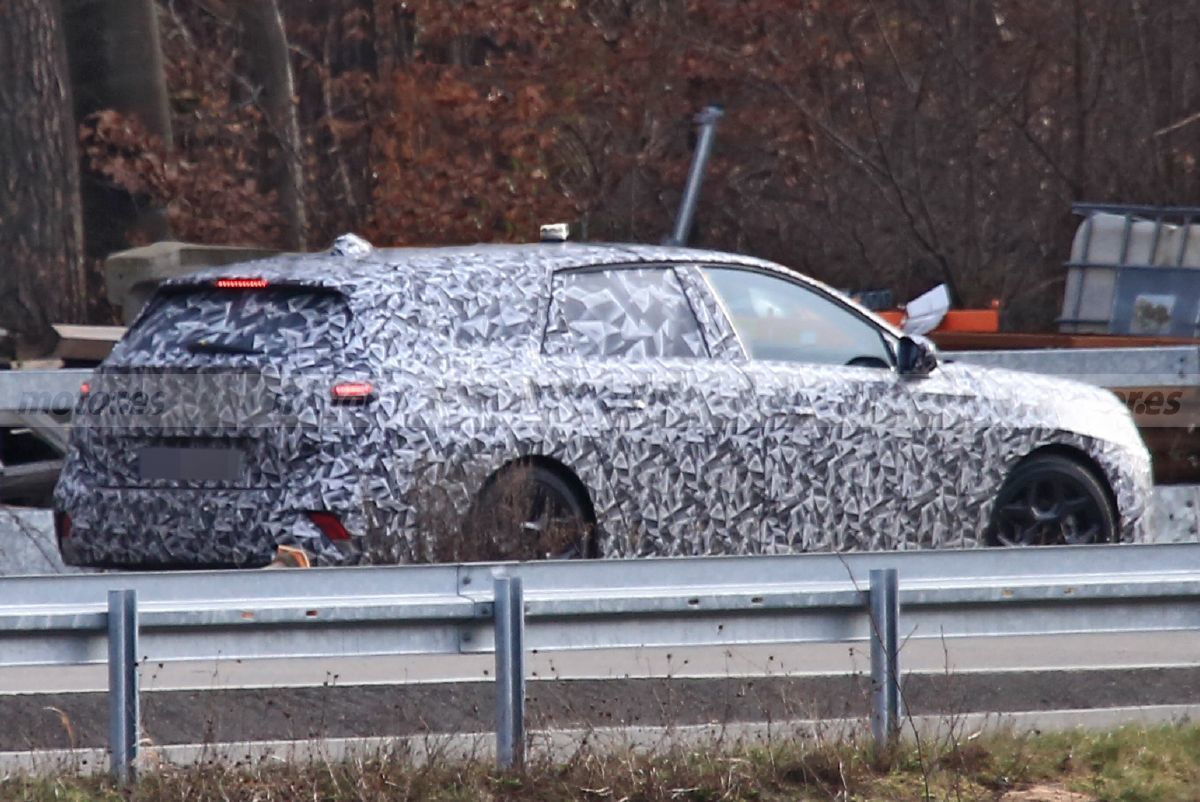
[[530, 512], [1052, 500]]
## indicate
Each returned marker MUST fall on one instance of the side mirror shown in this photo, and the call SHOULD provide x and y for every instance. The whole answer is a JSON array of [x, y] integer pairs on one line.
[[916, 356]]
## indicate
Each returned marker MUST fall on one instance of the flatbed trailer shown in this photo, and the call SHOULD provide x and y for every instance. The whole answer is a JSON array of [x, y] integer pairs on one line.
[[1159, 384]]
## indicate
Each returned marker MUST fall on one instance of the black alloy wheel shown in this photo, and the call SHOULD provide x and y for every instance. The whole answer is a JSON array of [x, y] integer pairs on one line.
[[1052, 500]]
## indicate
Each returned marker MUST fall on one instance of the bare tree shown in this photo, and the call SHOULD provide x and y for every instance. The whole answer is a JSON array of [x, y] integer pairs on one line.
[[270, 65], [116, 63], [874, 143], [42, 278]]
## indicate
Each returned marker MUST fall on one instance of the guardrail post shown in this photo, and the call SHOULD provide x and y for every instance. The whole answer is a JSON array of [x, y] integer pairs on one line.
[[885, 671], [510, 671], [123, 703]]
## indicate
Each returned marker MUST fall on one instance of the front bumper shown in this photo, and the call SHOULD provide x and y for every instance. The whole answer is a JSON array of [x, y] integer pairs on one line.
[[1135, 497]]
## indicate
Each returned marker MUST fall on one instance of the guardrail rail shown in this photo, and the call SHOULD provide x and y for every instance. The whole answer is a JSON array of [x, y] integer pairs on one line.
[[512, 608]]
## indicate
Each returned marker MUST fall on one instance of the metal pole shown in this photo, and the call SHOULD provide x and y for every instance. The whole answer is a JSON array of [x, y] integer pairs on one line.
[[707, 120], [123, 703], [510, 671], [885, 672]]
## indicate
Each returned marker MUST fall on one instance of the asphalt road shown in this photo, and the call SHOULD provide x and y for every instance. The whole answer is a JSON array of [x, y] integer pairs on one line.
[[27, 544], [302, 699], [52, 721]]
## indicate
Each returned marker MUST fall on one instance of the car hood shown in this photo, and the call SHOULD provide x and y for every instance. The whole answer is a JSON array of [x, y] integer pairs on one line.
[[1031, 399]]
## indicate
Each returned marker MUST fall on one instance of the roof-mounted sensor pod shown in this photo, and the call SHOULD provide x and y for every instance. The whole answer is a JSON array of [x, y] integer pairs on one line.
[[351, 245], [555, 232]]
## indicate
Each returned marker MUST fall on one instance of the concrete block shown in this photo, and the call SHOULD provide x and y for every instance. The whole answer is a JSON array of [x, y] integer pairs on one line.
[[27, 544], [133, 275]]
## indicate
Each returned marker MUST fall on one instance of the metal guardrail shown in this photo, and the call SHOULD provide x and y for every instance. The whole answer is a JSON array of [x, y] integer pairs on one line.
[[1161, 366], [511, 608], [24, 392], [40, 402]]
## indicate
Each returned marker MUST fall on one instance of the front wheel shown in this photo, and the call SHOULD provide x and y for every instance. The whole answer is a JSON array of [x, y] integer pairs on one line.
[[529, 512], [1052, 500]]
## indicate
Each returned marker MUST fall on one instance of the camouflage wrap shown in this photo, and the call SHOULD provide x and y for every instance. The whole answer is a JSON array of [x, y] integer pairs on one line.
[[475, 365]]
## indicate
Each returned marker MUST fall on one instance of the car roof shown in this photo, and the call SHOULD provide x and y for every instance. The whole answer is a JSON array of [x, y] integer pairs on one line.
[[562, 255], [370, 271], [366, 271]]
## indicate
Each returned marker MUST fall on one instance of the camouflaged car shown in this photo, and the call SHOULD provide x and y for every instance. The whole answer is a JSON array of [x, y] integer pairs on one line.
[[564, 399]]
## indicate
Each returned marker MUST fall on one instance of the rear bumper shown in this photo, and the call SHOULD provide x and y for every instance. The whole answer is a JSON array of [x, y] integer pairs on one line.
[[133, 528]]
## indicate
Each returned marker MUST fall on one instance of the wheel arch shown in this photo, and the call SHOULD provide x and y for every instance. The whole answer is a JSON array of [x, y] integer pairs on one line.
[[555, 466], [1079, 456]]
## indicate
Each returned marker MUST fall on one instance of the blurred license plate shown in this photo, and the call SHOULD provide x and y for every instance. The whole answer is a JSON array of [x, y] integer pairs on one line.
[[190, 464]]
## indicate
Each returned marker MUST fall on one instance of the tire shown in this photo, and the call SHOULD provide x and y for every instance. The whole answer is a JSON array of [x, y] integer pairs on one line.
[[868, 362], [1052, 500], [530, 512]]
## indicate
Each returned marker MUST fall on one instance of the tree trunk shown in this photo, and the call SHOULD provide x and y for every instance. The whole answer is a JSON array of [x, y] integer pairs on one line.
[[116, 63], [385, 39], [42, 278], [270, 64]]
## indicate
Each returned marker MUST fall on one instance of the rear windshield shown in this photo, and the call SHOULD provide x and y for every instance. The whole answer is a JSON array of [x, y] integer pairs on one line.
[[270, 322]]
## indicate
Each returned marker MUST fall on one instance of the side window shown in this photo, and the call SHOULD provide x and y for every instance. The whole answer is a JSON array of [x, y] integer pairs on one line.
[[633, 313], [786, 321]]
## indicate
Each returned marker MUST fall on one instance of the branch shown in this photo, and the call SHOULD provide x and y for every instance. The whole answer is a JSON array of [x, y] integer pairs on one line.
[[1175, 126]]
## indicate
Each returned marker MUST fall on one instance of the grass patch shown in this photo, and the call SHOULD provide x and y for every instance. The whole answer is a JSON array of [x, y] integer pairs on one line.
[[1130, 764]]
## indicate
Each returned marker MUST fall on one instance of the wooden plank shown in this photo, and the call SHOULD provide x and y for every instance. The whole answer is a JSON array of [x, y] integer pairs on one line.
[[1166, 418]]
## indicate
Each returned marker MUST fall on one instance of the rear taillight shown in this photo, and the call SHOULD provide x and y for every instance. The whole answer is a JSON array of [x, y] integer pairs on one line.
[[350, 392], [328, 523], [85, 388], [62, 525], [241, 283]]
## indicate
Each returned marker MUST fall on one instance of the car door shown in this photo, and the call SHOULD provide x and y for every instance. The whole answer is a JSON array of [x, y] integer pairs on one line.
[[964, 443], [624, 350], [836, 444]]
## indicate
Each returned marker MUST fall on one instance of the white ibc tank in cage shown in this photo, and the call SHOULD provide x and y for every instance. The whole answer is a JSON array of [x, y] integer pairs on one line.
[[1110, 257]]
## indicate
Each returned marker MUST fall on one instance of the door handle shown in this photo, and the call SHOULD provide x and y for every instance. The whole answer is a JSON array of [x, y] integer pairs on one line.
[[622, 404]]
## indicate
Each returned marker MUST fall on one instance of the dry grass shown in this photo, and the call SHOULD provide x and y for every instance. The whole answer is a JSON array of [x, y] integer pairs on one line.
[[1131, 764], [497, 527]]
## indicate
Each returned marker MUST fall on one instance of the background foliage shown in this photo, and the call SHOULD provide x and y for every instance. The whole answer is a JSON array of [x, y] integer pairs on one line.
[[872, 143]]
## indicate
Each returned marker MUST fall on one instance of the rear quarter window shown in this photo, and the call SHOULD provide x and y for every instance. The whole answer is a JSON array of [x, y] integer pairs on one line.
[[626, 313], [275, 322]]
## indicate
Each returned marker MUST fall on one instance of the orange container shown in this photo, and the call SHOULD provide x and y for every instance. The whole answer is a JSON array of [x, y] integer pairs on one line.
[[973, 320]]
